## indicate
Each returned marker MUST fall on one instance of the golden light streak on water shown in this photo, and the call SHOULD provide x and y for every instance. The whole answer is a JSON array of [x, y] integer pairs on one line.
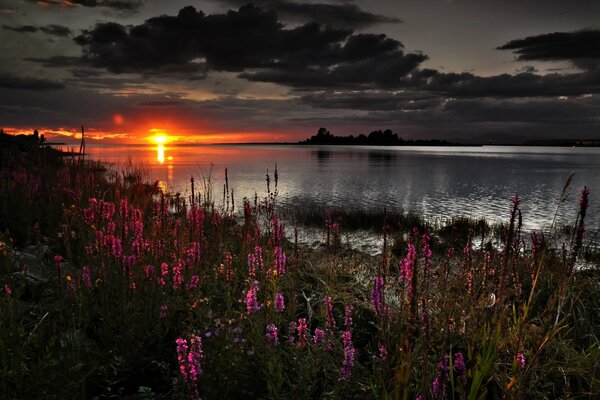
[[160, 153]]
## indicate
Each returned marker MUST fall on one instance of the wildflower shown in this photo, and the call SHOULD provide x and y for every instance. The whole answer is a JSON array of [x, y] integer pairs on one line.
[[521, 360], [108, 209], [407, 266], [459, 366], [272, 338], [302, 329], [377, 294], [330, 322], [252, 305], [383, 354], [164, 272], [149, 271], [292, 328], [177, 275], [193, 284], [279, 302], [86, 277], [280, 260], [189, 359], [163, 311], [8, 290], [251, 265], [348, 317], [319, 335], [439, 383], [349, 352]]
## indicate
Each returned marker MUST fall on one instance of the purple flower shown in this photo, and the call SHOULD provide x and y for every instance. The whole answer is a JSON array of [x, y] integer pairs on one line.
[[292, 328], [252, 305], [349, 352], [279, 302], [377, 294], [383, 354], [439, 383], [86, 277], [319, 335], [163, 311], [348, 317], [330, 322], [272, 337], [193, 284], [459, 366], [302, 329], [280, 260], [521, 360]]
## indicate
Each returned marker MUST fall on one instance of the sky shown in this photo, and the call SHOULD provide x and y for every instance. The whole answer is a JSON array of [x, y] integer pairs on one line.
[[216, 71]]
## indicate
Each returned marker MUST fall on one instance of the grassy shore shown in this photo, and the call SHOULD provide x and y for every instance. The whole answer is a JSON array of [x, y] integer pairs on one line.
[[110, 289]]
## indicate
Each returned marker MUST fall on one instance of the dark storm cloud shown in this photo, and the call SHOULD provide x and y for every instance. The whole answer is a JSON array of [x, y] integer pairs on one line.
[[253, 42], [35, 84], [340, 14], [582, 48], [52, 29], [56, 30], [161, 103], [372, 100], [126, 5], [524, 84], [21, 29]]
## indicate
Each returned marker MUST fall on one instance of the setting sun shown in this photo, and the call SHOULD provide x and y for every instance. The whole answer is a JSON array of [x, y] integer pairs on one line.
[[161, 139], [159, 136]]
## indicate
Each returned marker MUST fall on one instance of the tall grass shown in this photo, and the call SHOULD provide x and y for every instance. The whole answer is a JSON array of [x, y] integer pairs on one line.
[[151, 295]]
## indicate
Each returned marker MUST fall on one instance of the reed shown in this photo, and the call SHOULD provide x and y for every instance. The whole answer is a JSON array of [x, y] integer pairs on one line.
[[144, 294]]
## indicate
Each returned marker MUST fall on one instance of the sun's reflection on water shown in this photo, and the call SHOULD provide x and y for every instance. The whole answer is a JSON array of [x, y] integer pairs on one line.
[[160, 153]]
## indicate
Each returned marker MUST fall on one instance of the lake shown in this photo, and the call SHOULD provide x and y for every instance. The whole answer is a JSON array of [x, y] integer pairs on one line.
[[434, 181]]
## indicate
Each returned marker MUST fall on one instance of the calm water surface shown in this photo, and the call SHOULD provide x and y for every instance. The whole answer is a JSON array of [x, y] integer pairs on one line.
[[435, 181]]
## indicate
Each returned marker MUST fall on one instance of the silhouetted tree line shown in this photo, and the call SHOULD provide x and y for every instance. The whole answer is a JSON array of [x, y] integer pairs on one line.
[[375, 138]]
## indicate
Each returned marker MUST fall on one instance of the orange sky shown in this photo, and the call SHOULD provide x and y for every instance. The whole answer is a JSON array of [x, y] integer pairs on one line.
[[172, 133]]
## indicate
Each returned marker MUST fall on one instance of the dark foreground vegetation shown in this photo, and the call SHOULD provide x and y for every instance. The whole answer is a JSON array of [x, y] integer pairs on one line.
[[111, 289]]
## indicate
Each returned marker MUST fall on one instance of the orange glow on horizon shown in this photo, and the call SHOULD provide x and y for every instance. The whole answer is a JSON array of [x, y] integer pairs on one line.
[[168, 135]]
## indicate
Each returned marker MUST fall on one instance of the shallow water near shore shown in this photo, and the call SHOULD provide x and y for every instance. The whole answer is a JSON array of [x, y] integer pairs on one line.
[[437, 182]]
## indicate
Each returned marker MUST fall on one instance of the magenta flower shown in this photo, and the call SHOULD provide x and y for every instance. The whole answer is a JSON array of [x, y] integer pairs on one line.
[[521, 360], [377, 294], [164, 309], [383, 354], [189, 359], [177, 275], [149, 271], [439, 383], [292, 328], [407, 266], [279, 302], [302, 331], [251, 265], [349, 353], [319, 335], [459, 366], [272, 337], [348, 317], [280, 260], [193, 284], [330, 322], [252, 304], [86, 277]]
